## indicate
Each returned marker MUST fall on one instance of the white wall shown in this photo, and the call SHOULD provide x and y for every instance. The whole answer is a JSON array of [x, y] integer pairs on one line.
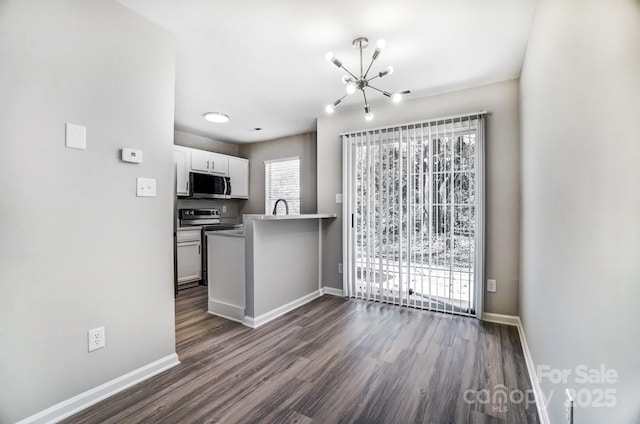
[[78, 249], [502, 178], [302, 146], [580, 92]]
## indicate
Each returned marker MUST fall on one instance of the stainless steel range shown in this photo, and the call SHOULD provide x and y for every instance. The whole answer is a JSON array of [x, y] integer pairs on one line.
[[207, 220], [197, 217]]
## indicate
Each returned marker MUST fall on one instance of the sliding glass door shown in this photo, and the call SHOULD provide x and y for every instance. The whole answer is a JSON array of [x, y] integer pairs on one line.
[[414, 214]]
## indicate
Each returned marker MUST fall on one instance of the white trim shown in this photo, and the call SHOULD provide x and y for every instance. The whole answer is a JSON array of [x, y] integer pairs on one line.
[[226, 310], [255, 322], [515, 321], [535, 383], [319, 254], [282, 159], [424, 121], [332, 291], [501, 319], [346, 218], [73, 405]]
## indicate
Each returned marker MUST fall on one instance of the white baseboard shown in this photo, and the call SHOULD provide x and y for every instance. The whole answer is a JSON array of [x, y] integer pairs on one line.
[[226, 310], [501, 319], [333, 292], [84, 400], [278, 312], [531, 368]]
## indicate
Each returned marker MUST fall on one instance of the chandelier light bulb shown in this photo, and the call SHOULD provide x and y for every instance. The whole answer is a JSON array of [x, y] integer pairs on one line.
[[329, 109], [368, 116], [346, 79], [329, 56], [351, 88], [381, 43], [396, 98], [389, 70]]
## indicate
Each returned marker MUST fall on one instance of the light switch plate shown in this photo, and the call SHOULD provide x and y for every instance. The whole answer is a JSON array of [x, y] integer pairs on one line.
[[339, 198], [492, 286], [146, 187], [75, 136]]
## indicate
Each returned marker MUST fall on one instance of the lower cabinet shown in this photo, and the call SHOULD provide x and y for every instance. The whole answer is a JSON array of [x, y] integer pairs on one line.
[[189, 256]]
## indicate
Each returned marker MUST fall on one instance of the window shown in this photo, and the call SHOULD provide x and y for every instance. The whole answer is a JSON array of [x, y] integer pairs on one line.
[[282, 181], [415, 194]]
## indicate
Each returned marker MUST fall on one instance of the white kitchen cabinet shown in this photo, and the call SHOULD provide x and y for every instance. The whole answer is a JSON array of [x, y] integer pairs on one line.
[[219, 164], [213, 163], [239, 176], [189, 248], [200, 161], [181, 162]]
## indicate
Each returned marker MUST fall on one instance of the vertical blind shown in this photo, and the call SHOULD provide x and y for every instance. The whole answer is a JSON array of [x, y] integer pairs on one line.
[[414, 233], [282, 181]]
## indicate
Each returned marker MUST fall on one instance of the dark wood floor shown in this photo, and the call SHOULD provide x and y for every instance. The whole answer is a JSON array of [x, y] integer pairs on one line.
[[332, 360]]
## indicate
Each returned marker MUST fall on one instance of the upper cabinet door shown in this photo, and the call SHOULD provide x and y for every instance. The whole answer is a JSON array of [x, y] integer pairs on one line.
[[200, 161], [219, 164], [181, 160], [239, 176]]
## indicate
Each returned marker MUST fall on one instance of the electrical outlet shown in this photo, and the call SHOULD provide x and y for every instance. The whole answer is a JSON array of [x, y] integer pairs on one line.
[[569, 404], [492, 286], [339, 268], [96, 339], [224, 208]]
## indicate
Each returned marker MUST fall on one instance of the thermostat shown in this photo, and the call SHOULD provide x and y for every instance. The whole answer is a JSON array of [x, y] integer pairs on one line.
[[131, 155]]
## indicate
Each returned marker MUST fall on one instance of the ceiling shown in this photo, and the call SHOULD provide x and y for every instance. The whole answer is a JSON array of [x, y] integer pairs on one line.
[[263, 62]]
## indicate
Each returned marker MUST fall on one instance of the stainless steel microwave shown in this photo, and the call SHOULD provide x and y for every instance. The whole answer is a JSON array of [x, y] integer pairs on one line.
[[207, 186]]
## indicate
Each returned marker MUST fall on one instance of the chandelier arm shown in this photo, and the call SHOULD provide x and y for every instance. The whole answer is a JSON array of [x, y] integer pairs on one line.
[[349, 72], [368, 69], [366, 103], [360, 59], [337, 102], [380, 91], [373, 77]]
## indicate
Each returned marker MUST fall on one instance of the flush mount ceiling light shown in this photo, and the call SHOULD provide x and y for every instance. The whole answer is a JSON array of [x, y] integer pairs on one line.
[[217, 117], [363, 81]]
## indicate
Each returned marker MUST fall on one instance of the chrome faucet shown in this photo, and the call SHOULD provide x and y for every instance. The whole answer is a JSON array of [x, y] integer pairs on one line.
[[275, 207]]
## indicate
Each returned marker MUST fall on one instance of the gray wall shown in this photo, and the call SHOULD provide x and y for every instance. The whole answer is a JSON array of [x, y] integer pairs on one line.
[[502, 187], [580, 91], [79, 250], [304, 146], [194, 141], [274, 246]]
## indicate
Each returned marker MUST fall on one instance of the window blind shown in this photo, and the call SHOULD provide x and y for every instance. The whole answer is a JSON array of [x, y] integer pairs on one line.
[[282, 181], [414, 195]]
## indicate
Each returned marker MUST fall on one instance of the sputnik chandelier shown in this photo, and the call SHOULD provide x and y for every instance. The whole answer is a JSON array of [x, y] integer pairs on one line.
[[363, 81]]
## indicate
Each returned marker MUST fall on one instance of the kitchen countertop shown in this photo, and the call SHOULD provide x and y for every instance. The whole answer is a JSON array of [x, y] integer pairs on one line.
[[259, 217], [226, 233]]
